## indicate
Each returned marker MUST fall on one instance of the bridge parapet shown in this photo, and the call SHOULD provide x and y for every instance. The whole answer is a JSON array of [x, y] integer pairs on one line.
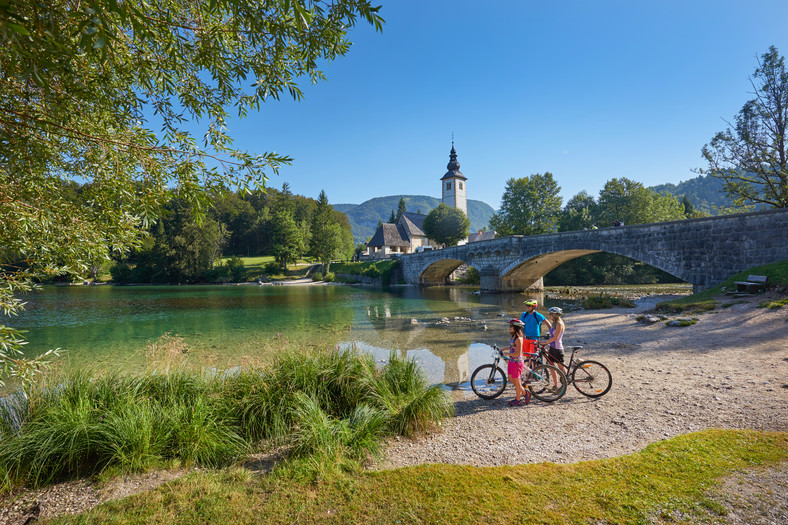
[[703, 251]]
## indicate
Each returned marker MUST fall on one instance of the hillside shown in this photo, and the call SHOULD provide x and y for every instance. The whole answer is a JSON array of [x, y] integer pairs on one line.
[[364, 217], [704, 192]]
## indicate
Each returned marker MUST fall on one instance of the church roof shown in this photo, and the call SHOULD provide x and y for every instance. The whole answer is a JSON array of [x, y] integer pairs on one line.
[[389, 235], [481, 236], [453, 166], [412, 223]]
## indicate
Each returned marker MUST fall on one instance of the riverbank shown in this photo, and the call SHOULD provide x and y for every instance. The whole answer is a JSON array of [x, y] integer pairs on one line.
[[667, 381]]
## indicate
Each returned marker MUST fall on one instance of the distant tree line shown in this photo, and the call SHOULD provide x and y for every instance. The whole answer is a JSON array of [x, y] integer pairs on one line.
[[185, 248], [532, 206]]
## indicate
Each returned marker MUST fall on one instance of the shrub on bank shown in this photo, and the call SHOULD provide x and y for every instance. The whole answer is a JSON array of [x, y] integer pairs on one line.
[[335, 406], [603, 301]]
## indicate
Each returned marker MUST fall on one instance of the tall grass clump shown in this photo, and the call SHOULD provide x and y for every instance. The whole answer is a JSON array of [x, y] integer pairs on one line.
[[329, 409], [410, 403]]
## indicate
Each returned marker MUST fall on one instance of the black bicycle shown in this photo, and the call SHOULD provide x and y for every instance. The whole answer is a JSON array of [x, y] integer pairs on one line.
[[545, 382], [591, 378]]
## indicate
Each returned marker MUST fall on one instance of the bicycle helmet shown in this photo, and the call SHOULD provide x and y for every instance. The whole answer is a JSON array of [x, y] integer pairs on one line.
[[516, 322], [531, 302], [555, 310]]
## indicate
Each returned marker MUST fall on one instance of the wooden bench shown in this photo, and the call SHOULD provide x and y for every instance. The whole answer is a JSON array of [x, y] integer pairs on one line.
[[753, 284]]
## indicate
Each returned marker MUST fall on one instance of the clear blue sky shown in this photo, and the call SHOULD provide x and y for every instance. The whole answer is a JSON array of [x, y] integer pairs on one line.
[[588, 90]]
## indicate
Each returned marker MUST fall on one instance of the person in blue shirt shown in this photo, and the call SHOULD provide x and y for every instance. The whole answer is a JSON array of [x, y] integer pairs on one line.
[[533, 320]]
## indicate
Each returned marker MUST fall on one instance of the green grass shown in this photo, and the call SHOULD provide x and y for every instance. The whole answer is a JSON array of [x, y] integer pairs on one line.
[[777, 274], [372, 269], [330, 409], [255, 267], [667, 477], [779, 303]]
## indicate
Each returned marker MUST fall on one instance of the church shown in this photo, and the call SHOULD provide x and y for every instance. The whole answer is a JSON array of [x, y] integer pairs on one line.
[[407, 236]]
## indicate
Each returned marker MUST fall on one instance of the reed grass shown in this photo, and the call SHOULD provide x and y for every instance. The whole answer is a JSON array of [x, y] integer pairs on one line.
[[331, 409]]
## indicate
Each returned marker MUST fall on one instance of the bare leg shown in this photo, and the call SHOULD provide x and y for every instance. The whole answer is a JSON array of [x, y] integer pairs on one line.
[[518, 387]]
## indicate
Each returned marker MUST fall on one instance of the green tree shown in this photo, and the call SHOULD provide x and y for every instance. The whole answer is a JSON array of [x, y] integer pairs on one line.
[[400, 209], [392, 218], [579, 213], [630, 202], [287, 239], [180, 249], [529, 206], [106, 92], [326, 243], [750, 156], [446, 225], [240, 219]]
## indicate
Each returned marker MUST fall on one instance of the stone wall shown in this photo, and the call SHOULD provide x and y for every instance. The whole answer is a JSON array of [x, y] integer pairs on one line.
[[704, 252]]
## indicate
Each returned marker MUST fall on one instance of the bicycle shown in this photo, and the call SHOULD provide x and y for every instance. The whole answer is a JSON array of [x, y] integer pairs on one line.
[[489, 381], [591, 378]]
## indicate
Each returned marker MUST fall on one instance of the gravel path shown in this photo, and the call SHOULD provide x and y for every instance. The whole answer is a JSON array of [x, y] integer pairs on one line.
[[666, 381]]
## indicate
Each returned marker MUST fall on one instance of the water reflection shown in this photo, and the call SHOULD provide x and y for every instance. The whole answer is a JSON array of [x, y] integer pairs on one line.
[[228, 325]]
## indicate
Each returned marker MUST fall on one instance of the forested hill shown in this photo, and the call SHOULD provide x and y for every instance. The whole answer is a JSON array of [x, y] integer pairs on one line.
[[364, 217], [704, 192]]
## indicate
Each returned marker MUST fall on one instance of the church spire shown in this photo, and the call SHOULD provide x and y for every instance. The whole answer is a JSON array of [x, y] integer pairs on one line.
[[453, 165]]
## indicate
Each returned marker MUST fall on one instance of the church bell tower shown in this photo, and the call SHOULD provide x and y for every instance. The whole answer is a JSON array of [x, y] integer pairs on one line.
[[454, 192]]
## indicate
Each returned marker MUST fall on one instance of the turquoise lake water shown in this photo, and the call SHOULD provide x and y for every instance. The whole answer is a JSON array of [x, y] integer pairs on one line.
[[109, 327]]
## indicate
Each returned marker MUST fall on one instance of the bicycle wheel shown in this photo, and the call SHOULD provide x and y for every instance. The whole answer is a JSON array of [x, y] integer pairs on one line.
[[488, 381], [592, 378], [546, 383]]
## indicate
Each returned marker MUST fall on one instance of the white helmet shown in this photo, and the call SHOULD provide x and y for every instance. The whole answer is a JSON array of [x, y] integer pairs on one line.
[[555, 310]]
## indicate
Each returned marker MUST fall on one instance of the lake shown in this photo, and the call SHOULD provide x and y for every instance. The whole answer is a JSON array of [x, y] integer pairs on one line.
[[110, 327]]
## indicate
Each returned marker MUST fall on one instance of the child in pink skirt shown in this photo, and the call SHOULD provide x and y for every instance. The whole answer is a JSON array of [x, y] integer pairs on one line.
[[517, 363]]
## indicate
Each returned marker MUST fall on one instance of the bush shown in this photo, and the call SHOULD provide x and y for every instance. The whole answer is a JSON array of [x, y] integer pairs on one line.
[[678, 306], [271, 268], [602, 301], [372, 271], [236, 269], [317, 276], [329, 277], [471, 277]]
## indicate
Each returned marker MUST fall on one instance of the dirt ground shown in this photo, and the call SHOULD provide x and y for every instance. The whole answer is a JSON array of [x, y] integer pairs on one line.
[[666, 381]]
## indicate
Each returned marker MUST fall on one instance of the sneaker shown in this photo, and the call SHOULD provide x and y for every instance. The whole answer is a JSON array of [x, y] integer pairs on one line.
[[527, 396], [554, 390], [516, 402]]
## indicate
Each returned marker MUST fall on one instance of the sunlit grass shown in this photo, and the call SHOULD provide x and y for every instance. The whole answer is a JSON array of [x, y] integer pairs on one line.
[[668, 478], [776, 273]]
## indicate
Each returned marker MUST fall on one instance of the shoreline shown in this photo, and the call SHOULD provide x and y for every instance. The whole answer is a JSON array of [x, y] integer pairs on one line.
[[667, 381]]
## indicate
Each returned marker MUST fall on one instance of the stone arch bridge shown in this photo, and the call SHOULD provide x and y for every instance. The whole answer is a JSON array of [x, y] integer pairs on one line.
[[703, 252]]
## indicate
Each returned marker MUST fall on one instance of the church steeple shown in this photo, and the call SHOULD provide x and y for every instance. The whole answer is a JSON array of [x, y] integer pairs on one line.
[[453, 188], [453, 165]]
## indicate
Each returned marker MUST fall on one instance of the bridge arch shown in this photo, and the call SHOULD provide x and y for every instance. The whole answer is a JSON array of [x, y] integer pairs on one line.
[[437, 272], [703, 251]]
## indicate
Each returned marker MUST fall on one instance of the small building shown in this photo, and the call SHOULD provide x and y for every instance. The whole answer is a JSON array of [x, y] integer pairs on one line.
[[481, 236], [393, 240]]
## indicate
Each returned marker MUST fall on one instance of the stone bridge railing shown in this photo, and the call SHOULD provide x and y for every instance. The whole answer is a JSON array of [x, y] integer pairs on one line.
[[703, 251]]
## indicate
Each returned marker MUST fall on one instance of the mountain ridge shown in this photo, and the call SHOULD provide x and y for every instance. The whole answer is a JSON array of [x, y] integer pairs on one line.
[[364, 217]]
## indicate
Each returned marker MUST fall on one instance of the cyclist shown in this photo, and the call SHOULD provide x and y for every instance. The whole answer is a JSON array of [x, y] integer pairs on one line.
[[555, 352], [556, 334], [516, 363], [533, 322]]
